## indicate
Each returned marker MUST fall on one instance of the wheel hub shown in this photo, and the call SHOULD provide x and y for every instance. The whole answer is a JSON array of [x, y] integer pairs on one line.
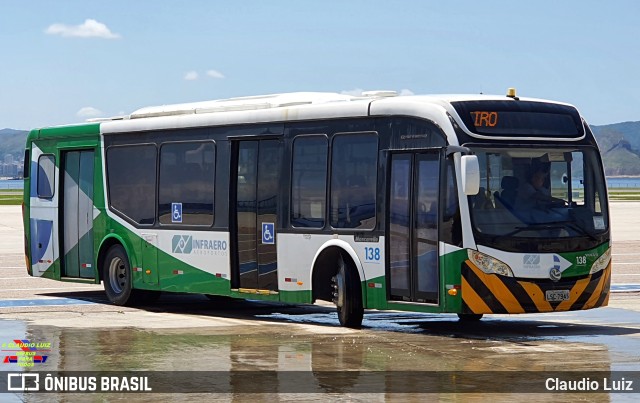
[[337, 283], [117, 275]]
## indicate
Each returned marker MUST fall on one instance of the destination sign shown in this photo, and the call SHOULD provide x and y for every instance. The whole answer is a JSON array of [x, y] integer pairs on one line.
[[486, 119], [520, 118]]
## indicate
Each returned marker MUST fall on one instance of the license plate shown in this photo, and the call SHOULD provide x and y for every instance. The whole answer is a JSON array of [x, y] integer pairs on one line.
[[557, 295]]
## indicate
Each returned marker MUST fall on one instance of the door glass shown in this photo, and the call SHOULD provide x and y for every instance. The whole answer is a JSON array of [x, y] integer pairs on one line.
[[426, 228], [268, 182], [70, 211], [85, 214], [399, 225], [246, 213]]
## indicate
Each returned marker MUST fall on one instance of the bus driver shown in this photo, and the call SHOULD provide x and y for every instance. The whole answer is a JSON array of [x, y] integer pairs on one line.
[[533, 193]]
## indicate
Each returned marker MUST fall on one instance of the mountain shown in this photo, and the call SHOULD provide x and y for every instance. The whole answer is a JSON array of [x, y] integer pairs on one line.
[[12, 142], [620, 147], [619, 144]]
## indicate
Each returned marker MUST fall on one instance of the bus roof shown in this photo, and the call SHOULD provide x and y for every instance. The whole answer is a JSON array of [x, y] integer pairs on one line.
[[298, 99], [295, 106], [285, 107]]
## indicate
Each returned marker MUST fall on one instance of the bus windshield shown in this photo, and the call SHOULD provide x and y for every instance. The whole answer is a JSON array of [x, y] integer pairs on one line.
[[531, 195]]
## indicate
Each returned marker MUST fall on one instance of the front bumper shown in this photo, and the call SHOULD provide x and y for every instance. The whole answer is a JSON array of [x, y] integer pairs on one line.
[[491, 293]]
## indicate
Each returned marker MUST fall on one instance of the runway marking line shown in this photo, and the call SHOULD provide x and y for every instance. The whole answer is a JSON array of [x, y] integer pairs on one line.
[[48, 288], [13, 303]]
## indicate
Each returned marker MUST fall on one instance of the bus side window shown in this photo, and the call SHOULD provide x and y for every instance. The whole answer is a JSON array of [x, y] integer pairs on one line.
[[353, 200], [131, 173], [187, 177], [46, 179], [27, 164], [309, 181], [450, 228]]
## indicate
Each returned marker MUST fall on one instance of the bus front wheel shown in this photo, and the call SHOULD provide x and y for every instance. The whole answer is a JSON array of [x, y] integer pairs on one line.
[[347, 296], [117, 275]]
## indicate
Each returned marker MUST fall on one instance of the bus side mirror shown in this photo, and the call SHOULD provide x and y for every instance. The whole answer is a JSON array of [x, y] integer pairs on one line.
[[470, 169]]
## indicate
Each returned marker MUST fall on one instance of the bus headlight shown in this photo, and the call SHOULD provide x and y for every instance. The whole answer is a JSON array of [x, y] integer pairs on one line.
[[602, 262], [489, 264]]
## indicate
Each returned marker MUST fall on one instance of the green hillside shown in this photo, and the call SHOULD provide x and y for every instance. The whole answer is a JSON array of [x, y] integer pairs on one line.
[[620, 146], [12, 142]]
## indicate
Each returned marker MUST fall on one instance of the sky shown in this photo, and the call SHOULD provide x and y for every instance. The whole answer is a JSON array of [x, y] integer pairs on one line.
[[67, 61]]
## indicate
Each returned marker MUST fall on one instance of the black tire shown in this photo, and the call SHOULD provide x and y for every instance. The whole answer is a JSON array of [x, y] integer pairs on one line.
[[348, 296], [469, 317], [116, 274]]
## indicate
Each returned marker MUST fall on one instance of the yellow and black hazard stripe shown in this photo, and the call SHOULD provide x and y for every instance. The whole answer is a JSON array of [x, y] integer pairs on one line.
[[492, 293]]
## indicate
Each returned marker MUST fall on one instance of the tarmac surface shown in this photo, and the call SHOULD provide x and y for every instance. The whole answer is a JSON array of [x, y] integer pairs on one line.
[[231, 346]]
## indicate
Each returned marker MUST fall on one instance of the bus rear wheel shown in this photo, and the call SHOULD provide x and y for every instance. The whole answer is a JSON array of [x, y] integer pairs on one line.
[[347, 296], [116, 275]]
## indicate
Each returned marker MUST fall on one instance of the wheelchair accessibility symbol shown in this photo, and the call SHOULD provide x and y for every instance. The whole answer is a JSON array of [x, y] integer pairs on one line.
[[176, 212], [268, 233]]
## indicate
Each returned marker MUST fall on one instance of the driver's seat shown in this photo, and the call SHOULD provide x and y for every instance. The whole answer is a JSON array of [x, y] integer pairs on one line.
[[507, 197]]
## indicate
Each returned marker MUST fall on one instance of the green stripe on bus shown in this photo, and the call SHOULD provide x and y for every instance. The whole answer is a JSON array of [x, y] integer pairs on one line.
[[70, 131]]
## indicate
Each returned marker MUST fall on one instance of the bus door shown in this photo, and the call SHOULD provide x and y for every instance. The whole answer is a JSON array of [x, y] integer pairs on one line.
[[254, 206], [77, 214], [412, 230], [43, 212]]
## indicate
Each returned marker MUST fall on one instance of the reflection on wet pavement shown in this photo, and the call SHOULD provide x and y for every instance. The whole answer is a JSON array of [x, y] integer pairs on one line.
[[303, 338], [390, 341]]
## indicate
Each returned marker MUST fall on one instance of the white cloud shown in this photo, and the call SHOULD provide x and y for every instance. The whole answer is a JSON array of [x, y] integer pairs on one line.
[[89, 112], [356, 92], [89, 29], [194, 75], [405, 91], [191, 75], [215, 74]]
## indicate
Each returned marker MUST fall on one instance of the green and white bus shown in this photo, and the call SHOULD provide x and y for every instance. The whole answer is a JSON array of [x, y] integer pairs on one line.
[[415, 203]]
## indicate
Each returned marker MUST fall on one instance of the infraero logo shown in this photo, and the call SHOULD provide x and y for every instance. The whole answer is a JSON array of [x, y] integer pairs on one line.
[[186, 244], [531, 259], [182, 244]]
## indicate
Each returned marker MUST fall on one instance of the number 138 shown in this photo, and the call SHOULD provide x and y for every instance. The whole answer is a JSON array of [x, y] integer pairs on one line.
[[372, 253]]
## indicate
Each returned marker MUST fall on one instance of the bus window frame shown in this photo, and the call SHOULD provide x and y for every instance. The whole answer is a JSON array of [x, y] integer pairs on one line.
[[107, 179], [326, 182], [26, 164], [215, 171], [53, 177], [330, 180]]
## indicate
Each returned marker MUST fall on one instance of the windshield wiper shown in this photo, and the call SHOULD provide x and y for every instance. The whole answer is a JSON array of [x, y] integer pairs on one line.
[[579, 229], [553, 225], [532, 227]]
